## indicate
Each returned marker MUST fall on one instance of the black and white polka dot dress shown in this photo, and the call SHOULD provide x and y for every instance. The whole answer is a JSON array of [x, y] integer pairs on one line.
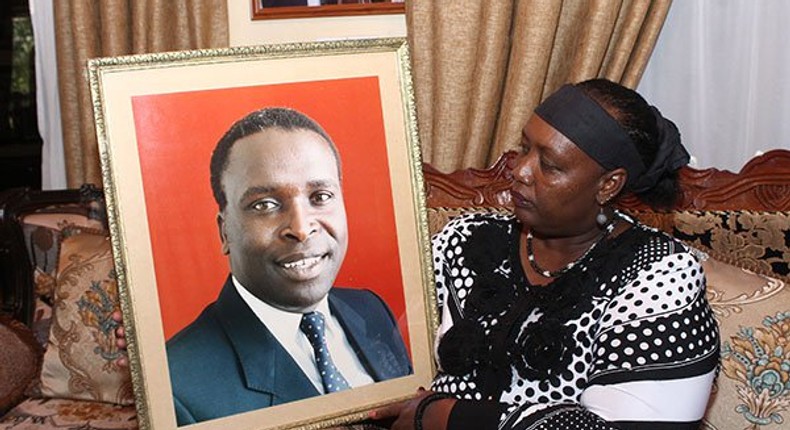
[[626, 339]]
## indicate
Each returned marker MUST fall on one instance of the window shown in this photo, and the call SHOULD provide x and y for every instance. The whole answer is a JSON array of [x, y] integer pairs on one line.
[[20, 143]]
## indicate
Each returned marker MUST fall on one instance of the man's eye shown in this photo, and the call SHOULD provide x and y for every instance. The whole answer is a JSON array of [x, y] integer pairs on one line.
[[264, 205], [322, 197]]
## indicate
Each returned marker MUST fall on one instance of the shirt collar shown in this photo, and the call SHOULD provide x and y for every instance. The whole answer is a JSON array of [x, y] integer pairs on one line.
[[280, 322]]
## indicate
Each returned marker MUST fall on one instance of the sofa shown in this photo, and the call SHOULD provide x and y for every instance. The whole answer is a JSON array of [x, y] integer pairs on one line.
[[58, 363]]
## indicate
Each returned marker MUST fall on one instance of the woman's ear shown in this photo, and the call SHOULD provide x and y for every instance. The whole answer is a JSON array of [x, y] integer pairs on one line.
[[611, 184], [222, 235]]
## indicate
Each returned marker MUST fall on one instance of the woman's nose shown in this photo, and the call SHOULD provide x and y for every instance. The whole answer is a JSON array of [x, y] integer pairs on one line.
[[522, 170]]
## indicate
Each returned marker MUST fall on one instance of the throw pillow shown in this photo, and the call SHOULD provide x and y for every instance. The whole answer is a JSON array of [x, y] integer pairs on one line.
[[80, 361]]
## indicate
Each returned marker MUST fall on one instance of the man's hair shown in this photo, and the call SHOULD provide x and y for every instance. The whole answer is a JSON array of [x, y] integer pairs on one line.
[[256, 122]]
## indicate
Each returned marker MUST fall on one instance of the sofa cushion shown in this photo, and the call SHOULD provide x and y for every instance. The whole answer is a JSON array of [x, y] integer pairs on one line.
[[754, 240], [80, 361], [46, 414], [43, 231], [753, 311]]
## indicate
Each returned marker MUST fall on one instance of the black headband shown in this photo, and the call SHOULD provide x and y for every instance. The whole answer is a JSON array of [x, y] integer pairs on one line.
[[585, 123], [582, 120]]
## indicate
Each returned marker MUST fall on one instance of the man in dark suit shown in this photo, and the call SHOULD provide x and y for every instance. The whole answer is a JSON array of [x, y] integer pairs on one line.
[[279, 331]]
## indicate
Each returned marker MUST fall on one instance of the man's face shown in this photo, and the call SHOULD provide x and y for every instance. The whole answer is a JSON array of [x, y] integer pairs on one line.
[[284, 226]]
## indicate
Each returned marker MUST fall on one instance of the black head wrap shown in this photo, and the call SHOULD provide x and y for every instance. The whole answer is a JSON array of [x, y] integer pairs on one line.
[[585, 123]]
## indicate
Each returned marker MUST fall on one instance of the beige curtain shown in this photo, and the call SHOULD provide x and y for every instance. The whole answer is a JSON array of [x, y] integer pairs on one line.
[[101, 28], [480, 67]]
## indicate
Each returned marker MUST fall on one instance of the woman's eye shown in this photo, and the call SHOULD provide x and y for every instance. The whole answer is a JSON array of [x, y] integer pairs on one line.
[[546, 165], [264, 205], [322, 197]]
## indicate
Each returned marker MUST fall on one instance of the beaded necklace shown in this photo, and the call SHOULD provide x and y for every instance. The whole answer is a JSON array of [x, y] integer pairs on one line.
[[548, 273]]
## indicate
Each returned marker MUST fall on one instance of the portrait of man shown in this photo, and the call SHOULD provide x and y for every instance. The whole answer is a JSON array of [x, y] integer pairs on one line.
[[280, 329]]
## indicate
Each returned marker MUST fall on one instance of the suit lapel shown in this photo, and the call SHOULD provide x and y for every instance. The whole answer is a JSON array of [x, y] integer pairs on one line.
[[266, 365], [375, 354]]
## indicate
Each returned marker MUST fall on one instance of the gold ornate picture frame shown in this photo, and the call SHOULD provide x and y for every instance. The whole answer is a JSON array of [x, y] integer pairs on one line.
[[159, 117]]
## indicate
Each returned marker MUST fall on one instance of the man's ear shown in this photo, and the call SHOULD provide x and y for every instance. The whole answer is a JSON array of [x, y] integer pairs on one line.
[[222, 235], [611, 184]]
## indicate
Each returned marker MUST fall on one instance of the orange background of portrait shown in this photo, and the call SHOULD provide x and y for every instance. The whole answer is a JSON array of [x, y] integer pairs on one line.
[[176, 134]]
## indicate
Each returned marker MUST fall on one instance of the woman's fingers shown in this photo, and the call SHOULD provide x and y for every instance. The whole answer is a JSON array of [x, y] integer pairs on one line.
[[120, 338], [395, 409], [389, 411]]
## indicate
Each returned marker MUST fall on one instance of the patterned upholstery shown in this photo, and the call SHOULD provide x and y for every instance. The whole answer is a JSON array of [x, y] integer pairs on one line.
[[66, 414], [73, 280], [80, 362]]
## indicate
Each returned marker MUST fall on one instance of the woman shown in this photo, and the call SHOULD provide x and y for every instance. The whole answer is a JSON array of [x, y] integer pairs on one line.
[[569, 314]]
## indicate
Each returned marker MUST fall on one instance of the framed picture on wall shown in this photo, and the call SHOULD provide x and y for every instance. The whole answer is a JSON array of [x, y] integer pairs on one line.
[[266, 205], [277, 9]]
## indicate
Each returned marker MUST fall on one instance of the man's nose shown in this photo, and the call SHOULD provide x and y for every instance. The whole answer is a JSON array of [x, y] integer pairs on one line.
[[301, 222]]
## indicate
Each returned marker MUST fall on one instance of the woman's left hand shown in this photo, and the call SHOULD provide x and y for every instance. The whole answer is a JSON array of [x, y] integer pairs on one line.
[[435, 417]]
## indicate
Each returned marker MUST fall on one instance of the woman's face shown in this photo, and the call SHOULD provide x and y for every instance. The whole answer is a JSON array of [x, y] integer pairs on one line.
[[555, 183]]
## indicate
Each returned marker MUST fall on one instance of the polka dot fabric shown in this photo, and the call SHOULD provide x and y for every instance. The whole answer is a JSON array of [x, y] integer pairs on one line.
[[646, 320]]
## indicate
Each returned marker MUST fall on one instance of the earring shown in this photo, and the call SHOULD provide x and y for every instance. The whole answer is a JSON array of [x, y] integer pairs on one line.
[[601, 219]]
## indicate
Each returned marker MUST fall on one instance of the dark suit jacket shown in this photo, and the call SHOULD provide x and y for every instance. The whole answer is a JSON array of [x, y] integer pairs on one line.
[[227, 362]]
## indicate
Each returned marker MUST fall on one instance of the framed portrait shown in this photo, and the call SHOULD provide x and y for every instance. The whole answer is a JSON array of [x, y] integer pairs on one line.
[[210, 273], [278, 9]]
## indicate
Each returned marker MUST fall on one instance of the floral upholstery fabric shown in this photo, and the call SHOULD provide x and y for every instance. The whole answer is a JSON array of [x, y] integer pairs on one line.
[[753, 312], [79, 362], [43, 232], [758, 241], [64, 414]]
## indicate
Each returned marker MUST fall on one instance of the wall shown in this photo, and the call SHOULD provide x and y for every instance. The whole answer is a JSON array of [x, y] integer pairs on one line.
[[244, 31]]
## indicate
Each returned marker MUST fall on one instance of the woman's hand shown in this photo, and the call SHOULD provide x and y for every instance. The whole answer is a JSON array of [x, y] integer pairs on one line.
[[434, 418], [120, 339]]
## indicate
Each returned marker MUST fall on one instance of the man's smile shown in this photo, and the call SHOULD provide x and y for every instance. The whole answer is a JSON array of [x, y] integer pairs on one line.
[[303, 262], [303, 268]]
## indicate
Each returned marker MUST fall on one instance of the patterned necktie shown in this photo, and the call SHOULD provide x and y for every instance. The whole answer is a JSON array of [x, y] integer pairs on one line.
[[312, 326]]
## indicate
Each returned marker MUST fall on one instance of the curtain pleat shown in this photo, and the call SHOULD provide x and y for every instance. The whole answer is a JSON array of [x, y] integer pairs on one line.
[[480, 68], [88, 29]]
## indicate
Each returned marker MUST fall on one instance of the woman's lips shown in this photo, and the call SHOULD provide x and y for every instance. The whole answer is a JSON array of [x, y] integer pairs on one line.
[[520, 201]]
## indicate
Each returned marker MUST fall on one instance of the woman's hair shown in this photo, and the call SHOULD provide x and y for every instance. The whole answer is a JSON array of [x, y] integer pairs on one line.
[[636, 117]]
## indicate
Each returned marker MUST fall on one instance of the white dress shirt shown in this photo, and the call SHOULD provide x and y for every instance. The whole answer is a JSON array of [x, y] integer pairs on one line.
[[285, 328]]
